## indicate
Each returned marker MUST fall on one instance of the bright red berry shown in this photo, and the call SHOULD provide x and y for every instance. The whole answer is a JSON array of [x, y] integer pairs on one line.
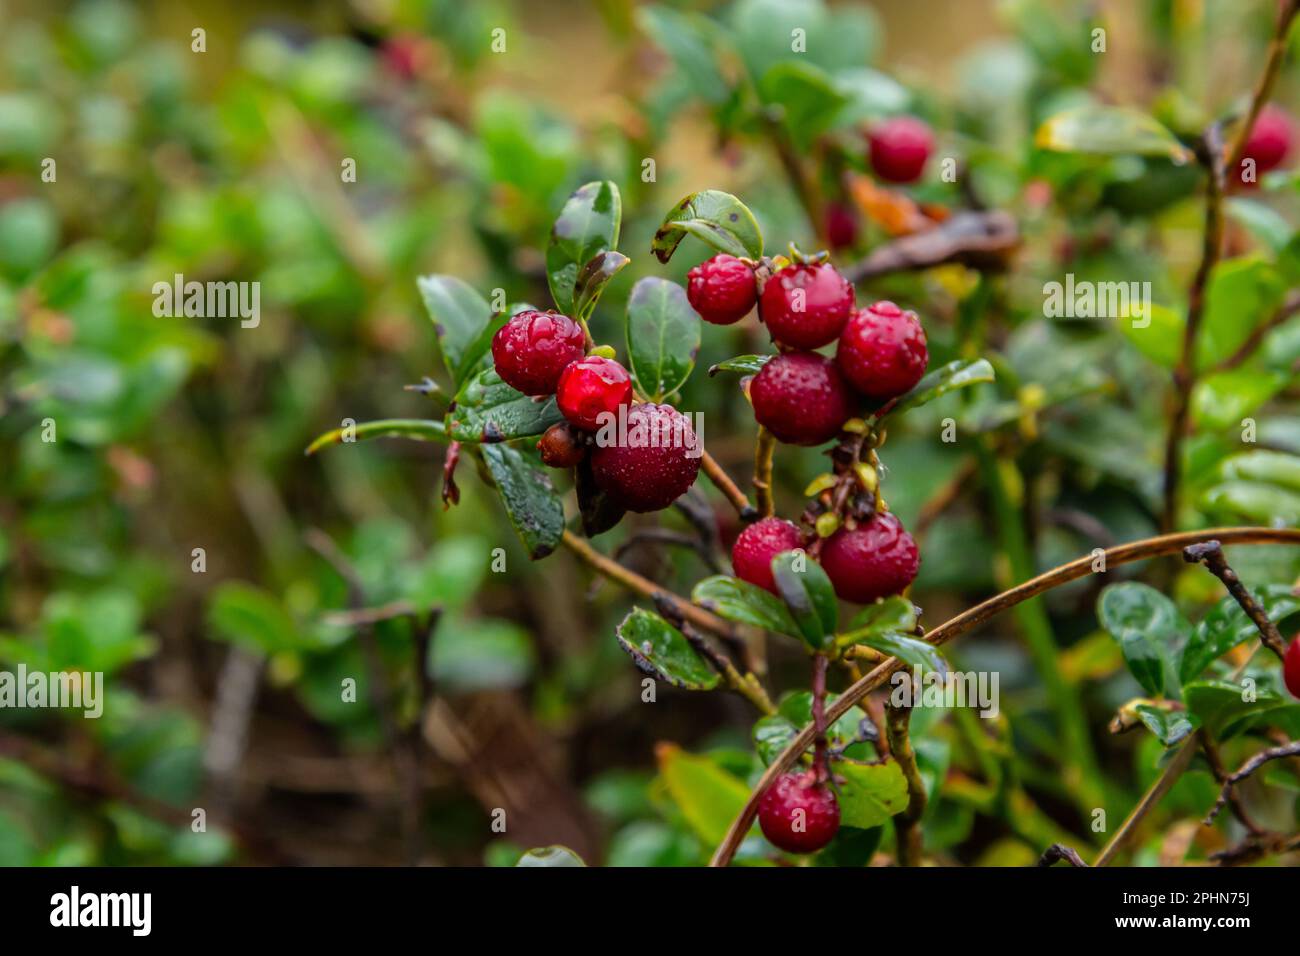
[[799, 815], [722, 289], [900, 148], [874, 560], [801, 398], [752, 554], [882, 351], [562, 446], [589, 388], [1291, 667], [841, 226], [805, 306], [653, 464], [1269, 141], [533, 348]]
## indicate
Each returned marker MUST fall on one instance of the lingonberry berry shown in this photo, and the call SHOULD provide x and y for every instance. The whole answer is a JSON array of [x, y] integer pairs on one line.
[[882, 351], [900, 148], [841, 226], [806, 305], [562, 446], [533, 348], [874, 560], [1291, 667], [589, 388], [722, 289], [757, 545], [1269, 141], [799, 815], [801, 398], [653, 464]]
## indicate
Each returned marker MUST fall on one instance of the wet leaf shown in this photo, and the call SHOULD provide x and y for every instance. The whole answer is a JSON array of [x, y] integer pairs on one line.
[[459, 316], [1226, 626], [663, 337], [808, 593], [488, 410], [524, 484], [587, 226], [599, 511], [592, 279], [1170, 726], [870, 793], [662, 651], [744, 603], [941, 381], [1150, 632], [718, 219], [1225, 711], [744, 364]]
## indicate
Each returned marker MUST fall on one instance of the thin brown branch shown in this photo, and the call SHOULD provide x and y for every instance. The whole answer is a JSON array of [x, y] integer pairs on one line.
[[1173, 770], [746, 686], [1264, 85], [1059, 851], [722, 481], [980, 240], [764, 447], [974, 617], [907, 825], [1210, 553], [1250, 766], [803, 186], [1212, 755]]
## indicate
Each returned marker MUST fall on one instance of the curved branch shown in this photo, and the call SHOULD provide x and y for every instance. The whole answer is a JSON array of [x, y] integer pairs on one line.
[[972, 618]]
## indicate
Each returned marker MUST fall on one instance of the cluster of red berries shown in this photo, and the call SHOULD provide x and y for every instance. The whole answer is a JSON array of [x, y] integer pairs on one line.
[[544, 353]]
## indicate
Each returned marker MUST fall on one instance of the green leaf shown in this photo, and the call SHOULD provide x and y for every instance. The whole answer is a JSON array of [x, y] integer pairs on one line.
[[1150, 632], [663, 337], [808, 593], [911, 650], [744, 603], [1223, 710], [459, 316], [851, 847], [772, 734], [708, 796], [808, 98], [1241, 294], [870, 793], [941, 381], [744, 364], [587, 226], [488, 410], [718, 219], [474, 654], [1159, 339], [555, 855], [1253, 501], [687, 39], [895, 613], [1170, 726], [662, 651], [535, 510], [592, 279], [1273, 467], [418, 429], [1226, 626], [1220, 401], [252, 618], [599, 511], [1109, 130]]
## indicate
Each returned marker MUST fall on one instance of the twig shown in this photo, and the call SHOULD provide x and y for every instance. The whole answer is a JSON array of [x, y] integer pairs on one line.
[[1173, 770], [1210, 151], [1221, 777], [980, 240], [358, 617], [1210, 553], [1256, 847], [1264, 86], [907, 825], [763, 449], [1250, 766], [804, 188], [668, 536], [974, 617], [820, 663], [747, 686], [1289, 308], [722, 481], [1059, 851]]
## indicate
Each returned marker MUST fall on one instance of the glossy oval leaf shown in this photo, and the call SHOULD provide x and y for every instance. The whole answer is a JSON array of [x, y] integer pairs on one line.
[[744, 364], [663, 337], [660, 650], [708, 797], [870, 793], [1274, 467], [771, 735], [459, 315], [534, 508], [1097, 128], [488, 410], [894, 613], [808, 593], [1226, 626], [941, 381], [592, 279], [1169, 726], [907, 648], [1150, 632], [417, 429], [587, 226], [744, 603], [1227, 709], [718, 219]]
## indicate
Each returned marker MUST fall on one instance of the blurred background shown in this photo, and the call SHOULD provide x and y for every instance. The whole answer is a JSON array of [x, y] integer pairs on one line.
[[174, 536]]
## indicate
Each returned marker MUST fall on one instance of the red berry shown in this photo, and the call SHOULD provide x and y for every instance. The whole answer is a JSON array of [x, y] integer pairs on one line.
[[532, 349], [801, 398], [752, 554], [900, 148], [651, 466], [561, 446], [722, 289], [806, 306], [590, 387], [1291, 667], [799, 815], [874, 560], [882, 351], [1269, 141], [841, 226]]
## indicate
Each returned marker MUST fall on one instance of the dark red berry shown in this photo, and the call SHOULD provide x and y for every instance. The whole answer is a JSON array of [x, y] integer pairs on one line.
[[533, 348], [841, 226], [799, 815], [806, 306], [882, 351], [650, 466], [752, 554], [562, 446], [722, 289], [900, 148], [1291, 667], [801, 398], [1269, 141], [589, 388], [874, 560]]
